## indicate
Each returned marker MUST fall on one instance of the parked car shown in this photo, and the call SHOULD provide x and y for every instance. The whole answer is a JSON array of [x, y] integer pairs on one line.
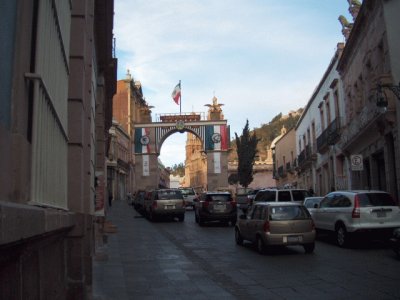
[[281, 195], [347, 213], [312, 203], [189, 194], [241, 196], [251, 195], [165, 202], [276, 224], [215, 206], [138, 199]]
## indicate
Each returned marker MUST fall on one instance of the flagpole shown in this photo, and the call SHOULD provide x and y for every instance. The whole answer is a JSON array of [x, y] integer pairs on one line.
[[180, 102]]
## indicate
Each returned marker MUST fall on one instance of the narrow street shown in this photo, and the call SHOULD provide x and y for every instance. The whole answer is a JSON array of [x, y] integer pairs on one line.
[[173, 260]]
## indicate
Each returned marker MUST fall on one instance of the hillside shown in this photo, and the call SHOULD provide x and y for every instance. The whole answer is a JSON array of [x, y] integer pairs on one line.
[[268, 132]]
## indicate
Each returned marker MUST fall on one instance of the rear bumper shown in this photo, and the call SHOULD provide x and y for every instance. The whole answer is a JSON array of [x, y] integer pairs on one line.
[[286, 239], [207, 216], [169, 212]]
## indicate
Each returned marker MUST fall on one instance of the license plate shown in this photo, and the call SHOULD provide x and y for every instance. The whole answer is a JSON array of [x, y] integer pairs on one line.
[[381, 214], [169, 206], [219, 207], [293, 239]]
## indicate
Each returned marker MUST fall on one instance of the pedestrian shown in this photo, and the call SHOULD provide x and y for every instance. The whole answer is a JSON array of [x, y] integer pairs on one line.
[[110, 199], [311, 191]]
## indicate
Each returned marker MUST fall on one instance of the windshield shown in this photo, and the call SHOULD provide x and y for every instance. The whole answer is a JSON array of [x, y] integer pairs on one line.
[[169, 194], [376, 199], [188, 191], [282, 213]]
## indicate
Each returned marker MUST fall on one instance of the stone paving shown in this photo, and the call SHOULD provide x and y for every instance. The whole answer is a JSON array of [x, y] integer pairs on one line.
[[173, 260]]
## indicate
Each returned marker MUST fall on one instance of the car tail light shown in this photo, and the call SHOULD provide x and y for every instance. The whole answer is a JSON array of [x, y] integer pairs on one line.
[[266, 226], [205, 203], [356, 210]]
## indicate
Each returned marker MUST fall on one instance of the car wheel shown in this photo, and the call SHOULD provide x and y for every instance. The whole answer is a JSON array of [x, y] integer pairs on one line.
[[181, 218], [238, 237], [309, 248], [342, 236], [260, 245]]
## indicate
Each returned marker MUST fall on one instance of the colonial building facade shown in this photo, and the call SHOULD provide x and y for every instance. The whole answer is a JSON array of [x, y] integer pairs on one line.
[[58, 75], [320, 163], [370, 60]]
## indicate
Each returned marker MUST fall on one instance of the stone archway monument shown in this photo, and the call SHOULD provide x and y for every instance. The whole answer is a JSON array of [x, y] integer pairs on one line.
[[149, 137]]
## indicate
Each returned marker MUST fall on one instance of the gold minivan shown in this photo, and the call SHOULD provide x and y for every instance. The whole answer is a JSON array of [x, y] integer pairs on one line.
[[269, 224], [165, 202]]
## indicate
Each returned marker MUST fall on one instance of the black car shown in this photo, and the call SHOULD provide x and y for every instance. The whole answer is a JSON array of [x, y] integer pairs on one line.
[[215, 206]]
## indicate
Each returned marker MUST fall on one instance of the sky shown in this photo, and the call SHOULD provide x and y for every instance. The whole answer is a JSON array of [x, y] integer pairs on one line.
[[258, 57]]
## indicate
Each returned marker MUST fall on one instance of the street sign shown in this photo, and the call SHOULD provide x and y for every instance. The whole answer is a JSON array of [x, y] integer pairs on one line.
[[356, 162]]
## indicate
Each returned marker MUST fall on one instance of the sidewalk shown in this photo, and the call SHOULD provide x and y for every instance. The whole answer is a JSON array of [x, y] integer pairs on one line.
[[109, 281], [144, 263]]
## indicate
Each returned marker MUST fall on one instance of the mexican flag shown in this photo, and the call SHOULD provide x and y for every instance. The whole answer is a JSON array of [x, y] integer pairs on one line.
[[176, 93], [217, 137], [142, 144]]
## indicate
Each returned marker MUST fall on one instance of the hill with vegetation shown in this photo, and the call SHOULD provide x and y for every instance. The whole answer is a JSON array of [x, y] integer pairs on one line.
[[268, 132]]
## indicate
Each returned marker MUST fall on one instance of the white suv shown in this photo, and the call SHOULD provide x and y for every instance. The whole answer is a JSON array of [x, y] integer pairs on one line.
[[189, 194], [281, 195], [361, 211]]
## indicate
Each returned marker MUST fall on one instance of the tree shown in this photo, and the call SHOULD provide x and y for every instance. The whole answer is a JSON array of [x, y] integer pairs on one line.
[[233, 179], [178, 169], [246, 150]]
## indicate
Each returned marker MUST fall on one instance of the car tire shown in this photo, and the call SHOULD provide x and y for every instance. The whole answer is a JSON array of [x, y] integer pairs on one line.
[[238, 237], [181, 218], [260, 245], [342, 237], [309, 248]]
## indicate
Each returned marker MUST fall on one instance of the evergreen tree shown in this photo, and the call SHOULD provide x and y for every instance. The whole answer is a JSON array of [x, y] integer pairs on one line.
[[233, 179], [246, 150]]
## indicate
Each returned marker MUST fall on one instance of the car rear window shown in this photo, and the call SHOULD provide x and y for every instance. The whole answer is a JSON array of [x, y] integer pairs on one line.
[[283, 213], [376, 199], [219, 197], [265, 196], [187, 191], [169, 194]]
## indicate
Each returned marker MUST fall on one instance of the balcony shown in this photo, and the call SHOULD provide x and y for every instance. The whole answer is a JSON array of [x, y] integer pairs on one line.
[[305, 158], [330, 136]]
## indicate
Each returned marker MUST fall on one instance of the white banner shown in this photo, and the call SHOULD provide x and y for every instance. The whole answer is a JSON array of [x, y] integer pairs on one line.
[[146, 166], [217, 162]]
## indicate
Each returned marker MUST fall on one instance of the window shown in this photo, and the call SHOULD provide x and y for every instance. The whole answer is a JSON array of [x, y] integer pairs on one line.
[[376, 199], [284, 196], [257, 212], [283, 213]]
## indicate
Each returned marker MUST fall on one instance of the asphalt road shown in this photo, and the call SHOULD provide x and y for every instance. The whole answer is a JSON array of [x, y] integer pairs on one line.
[[173, 260]]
